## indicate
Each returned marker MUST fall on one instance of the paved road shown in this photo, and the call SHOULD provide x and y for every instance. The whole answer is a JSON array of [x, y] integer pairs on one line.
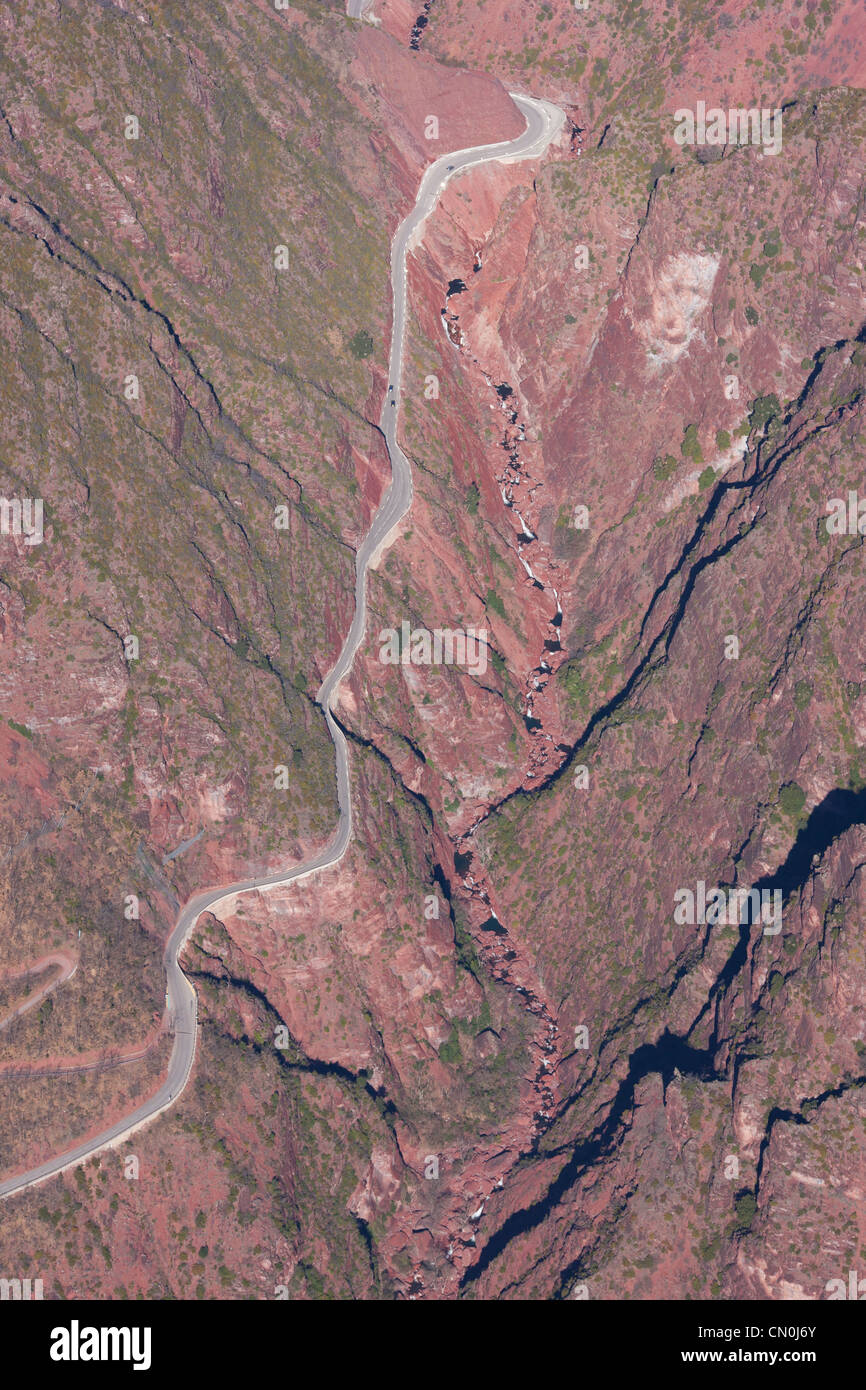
[[355, 8], [543, 121]]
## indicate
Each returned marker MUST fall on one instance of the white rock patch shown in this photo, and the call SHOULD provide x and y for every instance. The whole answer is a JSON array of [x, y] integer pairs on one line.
[[680, 292]]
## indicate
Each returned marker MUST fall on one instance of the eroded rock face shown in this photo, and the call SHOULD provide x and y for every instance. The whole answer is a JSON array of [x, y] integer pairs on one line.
[[482, 1055]]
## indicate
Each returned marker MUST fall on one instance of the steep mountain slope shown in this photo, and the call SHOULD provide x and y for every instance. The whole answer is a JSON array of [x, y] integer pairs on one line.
[[505, 1064]]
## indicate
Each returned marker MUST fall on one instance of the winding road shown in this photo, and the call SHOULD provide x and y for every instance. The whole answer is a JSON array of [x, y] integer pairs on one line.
[[68, 964], [543, 123]]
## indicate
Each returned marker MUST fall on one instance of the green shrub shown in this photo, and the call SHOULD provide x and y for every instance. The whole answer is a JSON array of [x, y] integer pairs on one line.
[[495, 602], [664, 467], [690, 447], [576, 688], [792, 799], [764, 410], [450, 1049], [361, 344]]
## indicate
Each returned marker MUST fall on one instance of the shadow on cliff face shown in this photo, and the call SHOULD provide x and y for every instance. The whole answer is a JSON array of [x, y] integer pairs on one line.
[[670, 1053], [841, 809]]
